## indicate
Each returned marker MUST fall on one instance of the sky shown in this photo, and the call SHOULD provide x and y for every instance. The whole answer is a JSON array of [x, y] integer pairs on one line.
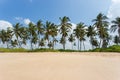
[[51, 10], [26, 11]]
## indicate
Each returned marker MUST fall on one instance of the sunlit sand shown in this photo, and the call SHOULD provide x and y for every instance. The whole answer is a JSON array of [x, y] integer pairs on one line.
[[59, 66]]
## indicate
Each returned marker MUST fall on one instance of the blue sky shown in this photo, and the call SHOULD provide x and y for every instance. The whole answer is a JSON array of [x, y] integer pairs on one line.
[[51, 10]]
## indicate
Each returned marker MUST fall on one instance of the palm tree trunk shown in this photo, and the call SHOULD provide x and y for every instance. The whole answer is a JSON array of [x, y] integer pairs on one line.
[[78, 44], [84, 45], [100, 43]]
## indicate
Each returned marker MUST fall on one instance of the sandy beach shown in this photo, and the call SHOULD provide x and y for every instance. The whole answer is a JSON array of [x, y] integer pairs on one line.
[[59, 66]]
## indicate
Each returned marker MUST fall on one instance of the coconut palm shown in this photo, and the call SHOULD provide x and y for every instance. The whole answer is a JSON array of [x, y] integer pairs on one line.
[[32, 33], [91, 33], [80, 34], [40, 29], [65, 27], [71, 39], [54, 33], [100, 23], [17, 32], [116, 25], [47, 31]]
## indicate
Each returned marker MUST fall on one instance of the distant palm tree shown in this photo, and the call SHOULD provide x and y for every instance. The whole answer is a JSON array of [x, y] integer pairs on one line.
[[80, 34], [54, 33], [17, 32], [116, 40], [91, 33], [101, 23], [71, 39], [47, 31], [65, 27], [40, 30], [32, 33], [116, 25]]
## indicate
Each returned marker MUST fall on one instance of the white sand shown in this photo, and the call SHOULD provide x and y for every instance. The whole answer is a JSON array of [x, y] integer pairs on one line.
[[59, 66]]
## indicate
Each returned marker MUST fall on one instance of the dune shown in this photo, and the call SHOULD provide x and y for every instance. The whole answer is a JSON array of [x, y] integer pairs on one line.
[[59, 66]]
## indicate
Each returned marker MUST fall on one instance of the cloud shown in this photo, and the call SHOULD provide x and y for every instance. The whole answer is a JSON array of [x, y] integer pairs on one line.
[[5, 24], [25, 21], [114, 11]]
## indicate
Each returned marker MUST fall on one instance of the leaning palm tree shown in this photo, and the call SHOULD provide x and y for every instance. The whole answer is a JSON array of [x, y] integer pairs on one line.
[[116, 25], [71, 39], [65, 27], [91, 33], [100, 23]]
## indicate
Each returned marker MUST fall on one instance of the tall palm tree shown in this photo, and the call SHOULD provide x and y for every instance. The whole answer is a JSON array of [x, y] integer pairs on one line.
[[65, 27], [116, 25], [47, 31], [100, 23], [54, 33], [80, 34], [40, 30], [71, 39], [91, 33], [32, 33], [17, 32]]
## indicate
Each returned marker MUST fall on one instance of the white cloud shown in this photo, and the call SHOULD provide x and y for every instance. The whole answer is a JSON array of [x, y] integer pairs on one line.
[[114, 11], [5, 24], [27, 21]]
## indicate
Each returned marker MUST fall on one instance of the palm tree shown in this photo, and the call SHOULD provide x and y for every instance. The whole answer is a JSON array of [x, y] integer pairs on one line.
[[32, 33], [80, 34], [47, 31], [116, 40], [17, 32], [91, 33], [65, 27], [54, 33], [116, 25], [71, 39], [40, 29], [100, 23]]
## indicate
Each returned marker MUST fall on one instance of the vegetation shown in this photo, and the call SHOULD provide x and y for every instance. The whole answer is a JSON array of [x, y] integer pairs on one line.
[[44, 36]]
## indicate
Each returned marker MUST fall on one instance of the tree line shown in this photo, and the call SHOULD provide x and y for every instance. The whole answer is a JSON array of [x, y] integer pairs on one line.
[[40, 34]]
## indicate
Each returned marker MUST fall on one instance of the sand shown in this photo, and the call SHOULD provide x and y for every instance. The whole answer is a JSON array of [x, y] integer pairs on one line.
[[59, 66]]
